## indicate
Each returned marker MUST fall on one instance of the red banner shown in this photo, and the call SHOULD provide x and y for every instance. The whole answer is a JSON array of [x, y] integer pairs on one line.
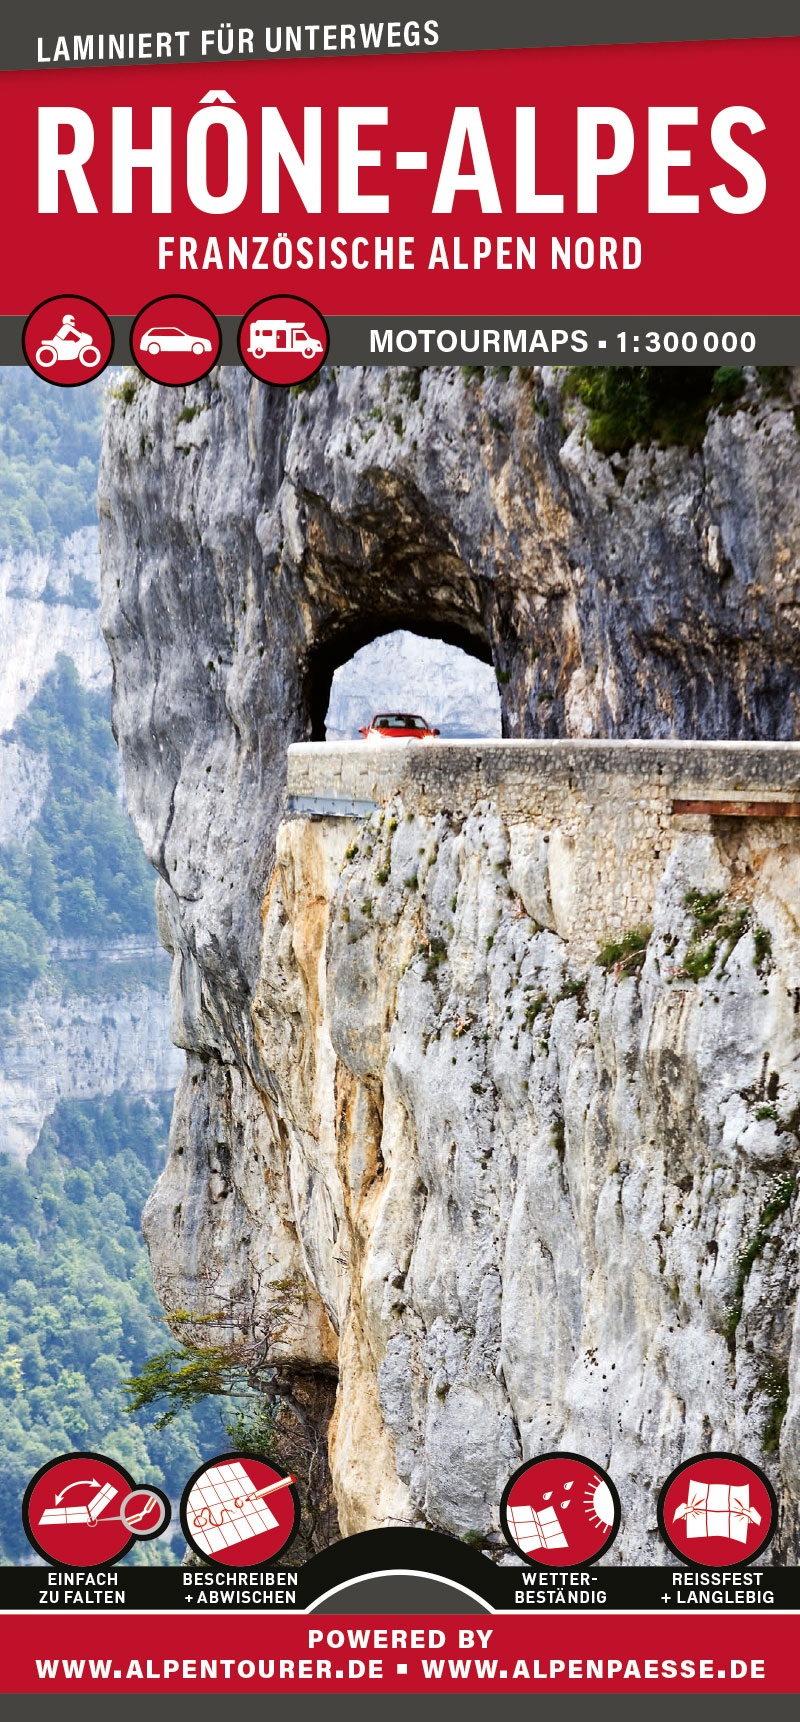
[[645, 179], [444, 1653]]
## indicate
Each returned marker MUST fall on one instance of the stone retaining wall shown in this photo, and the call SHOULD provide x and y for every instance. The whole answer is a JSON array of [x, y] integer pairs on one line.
[[603, 809]]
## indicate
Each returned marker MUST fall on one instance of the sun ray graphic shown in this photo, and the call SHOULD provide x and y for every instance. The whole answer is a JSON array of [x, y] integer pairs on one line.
[[598, 1504]]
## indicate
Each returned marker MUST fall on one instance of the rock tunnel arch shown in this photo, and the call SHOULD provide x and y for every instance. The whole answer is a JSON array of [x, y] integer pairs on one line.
[[333, 654], [453, 688], [386, 560]]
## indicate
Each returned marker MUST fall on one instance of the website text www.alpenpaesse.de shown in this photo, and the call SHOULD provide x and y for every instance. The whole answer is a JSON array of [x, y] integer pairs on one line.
[[268, 1670]]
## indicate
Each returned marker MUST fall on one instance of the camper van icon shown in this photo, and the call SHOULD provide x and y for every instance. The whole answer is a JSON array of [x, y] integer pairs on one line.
[[283, 339], [277, 335]]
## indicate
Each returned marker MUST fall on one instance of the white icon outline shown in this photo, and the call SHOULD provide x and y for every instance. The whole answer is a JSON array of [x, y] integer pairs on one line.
[[690, 1549], [224, 1507], [83, 1513], [265, 337], [69, 343], [163, 338], [717, 1510], [263, 316], [539, 1529], [132, 1520]]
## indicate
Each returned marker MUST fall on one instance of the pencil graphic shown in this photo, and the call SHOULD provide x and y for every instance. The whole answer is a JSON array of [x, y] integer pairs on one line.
[[282, 1483]]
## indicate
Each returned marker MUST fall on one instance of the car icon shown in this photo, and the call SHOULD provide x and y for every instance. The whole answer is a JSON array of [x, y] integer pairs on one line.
[[173, 341]]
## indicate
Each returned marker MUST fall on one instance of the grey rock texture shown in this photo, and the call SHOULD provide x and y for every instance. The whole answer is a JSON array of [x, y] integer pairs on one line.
[[34, 630], [487, 1268], [35, 627], [555, 1206], [59, 1044], [24, 777], [260, 541]]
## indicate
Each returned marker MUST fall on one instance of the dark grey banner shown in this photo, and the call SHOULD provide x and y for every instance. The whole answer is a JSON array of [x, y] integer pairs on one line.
[[51, 35], [564, 340], [515, 341]]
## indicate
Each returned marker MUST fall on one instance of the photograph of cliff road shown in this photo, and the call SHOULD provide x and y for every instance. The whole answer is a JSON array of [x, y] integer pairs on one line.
[[484, 1069]]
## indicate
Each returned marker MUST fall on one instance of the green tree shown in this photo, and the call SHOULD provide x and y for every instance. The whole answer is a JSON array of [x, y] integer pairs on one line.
[[42, 884], [22, 951], [49, 447], [77, 1310], [84, 874], [664, 404]]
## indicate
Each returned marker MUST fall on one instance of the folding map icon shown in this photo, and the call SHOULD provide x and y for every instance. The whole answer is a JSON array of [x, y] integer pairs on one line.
[[221, 1511], [83, 1515], [532, 1529]]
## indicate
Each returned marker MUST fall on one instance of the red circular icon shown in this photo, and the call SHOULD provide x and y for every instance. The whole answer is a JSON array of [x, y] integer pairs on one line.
[[84, 1510], [68, 340], [717, 1510], [560, 1510], [283, 340], [176, 340], [237, 1511]]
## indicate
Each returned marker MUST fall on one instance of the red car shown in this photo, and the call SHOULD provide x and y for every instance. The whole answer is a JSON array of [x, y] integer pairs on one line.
[[397, 726]]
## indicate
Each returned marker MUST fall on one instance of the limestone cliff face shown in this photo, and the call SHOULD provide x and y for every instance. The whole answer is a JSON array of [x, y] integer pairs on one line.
[[60, 1042], [99, 1021], [48, 604], [525, 1203], [508, 1201]]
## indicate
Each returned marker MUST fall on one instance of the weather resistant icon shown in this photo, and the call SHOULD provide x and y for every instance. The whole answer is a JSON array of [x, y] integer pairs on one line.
[[560, 1510], [68, 340], [176, 340], [82, 1509], [714, 1507], [283, 340], [239, 1510]]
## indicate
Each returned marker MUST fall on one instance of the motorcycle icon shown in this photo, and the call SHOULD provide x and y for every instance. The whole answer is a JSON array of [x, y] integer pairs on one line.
[[68, 343]]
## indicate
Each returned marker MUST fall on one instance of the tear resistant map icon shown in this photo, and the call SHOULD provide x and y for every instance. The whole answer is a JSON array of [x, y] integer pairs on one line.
[[716, 1508], [560, 1510]]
